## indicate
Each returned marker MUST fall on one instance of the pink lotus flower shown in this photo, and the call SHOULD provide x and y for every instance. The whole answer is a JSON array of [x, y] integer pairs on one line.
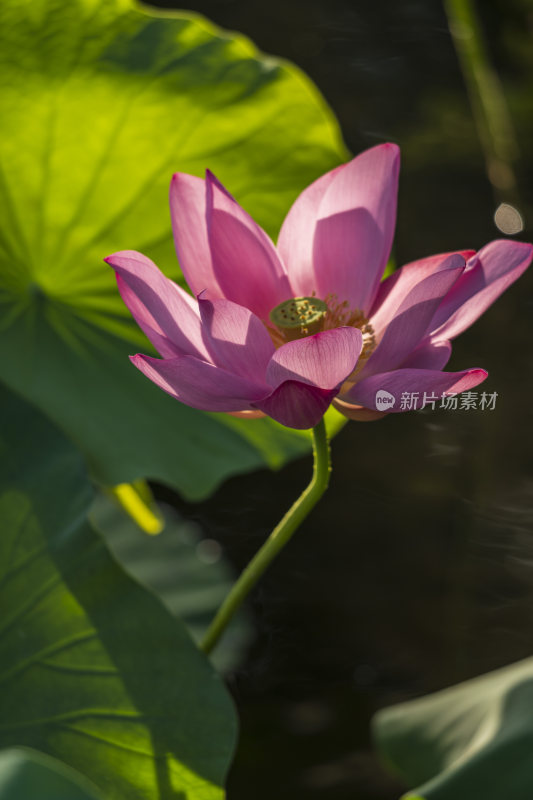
[[286, 331]]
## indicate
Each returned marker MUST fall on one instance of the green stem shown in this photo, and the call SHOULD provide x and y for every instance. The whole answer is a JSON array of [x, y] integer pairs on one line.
[[277, 539], [488, 102]]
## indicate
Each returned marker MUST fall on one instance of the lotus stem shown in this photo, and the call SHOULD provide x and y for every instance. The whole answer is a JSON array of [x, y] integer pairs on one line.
[[277, 539]]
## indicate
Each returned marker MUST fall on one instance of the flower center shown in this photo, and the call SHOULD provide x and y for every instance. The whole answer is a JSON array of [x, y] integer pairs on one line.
[[304, 316], [299, 317]]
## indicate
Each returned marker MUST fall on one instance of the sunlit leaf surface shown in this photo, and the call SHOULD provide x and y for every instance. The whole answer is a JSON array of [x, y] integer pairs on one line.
[[100, 103], [95, 671]]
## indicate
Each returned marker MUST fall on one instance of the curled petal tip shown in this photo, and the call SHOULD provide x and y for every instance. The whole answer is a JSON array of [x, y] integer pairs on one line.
[[526, 246], [212, 181], [210, 177], [112, 259], [392, 146], [181, 178]]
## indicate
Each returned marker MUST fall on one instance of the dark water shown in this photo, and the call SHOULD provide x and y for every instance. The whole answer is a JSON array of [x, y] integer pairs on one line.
[[416, 571]]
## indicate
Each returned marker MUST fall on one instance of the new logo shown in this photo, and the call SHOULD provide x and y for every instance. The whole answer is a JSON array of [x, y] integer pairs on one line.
[[384, 400]]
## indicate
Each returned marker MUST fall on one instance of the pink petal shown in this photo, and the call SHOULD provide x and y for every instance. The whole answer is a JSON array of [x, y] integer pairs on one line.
[[295, 242], [429, 355], [297, 405], [237, 339], [397, 286], [210, 388], [324, 360], [187, 211], [489, 273], [199, 384], [245, 261], [411, 381], [167, 315], [354, 232], [408, 327]]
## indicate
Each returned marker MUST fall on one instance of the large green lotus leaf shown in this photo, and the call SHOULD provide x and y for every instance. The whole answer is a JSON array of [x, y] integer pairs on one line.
[[95, 671], [189, 573], [29, 775], [473, 741], [100, 103]]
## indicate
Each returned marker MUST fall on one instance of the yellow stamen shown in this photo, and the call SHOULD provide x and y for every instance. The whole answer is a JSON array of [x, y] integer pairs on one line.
[[340, 314]]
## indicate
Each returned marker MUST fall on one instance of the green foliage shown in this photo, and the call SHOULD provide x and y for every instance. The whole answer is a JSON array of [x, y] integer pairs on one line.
[[95, 670], [27, 774], [188, 573], [100, 103], [474, 740]]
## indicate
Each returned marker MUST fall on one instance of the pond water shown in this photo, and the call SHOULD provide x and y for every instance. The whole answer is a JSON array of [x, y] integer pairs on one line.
[[416, 571]]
